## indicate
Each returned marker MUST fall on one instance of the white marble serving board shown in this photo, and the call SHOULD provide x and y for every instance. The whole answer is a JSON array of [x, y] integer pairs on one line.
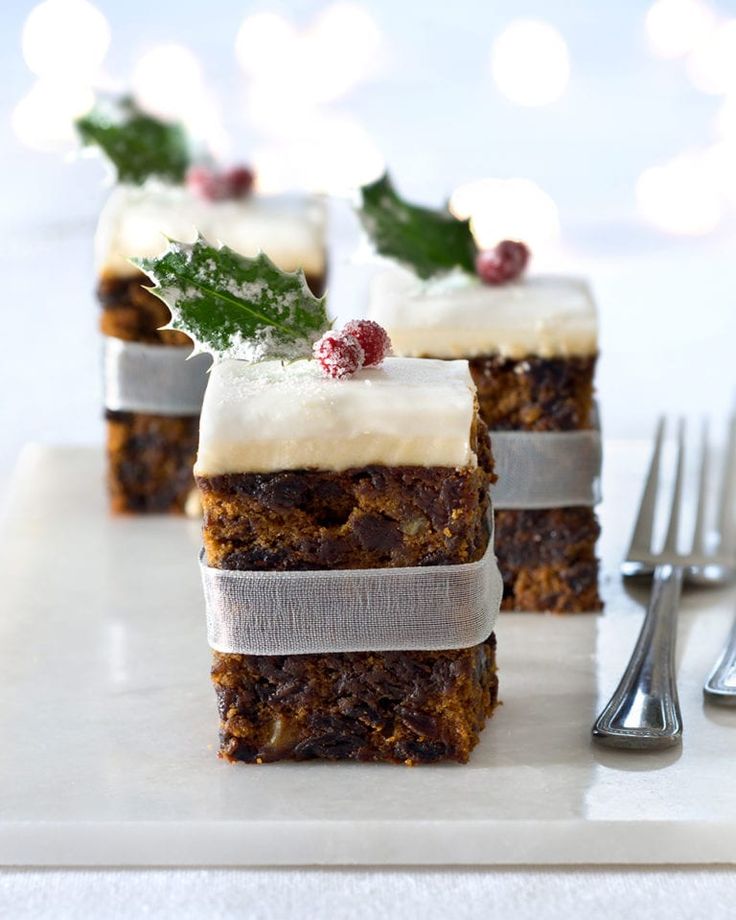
[[108, 721]]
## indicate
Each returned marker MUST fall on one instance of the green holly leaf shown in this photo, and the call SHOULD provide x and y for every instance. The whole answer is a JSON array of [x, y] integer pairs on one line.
[[429, 242], [235, 307], [138, 145]]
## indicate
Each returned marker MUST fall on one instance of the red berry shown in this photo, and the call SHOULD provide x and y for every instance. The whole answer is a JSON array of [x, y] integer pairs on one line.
[[218, 186], [373, 339], [504, 263], [339, 355], [204, 182], [239, 180]]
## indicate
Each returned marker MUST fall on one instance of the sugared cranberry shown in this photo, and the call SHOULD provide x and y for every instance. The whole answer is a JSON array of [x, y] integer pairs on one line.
[[204, 182], [240, 181], [373, 339], [338, 354], [503, 263], [218, 186]]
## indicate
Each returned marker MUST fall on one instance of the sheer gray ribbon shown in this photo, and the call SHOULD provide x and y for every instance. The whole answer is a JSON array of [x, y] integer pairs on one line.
[[355, 610], [153, 378], [547, 469]]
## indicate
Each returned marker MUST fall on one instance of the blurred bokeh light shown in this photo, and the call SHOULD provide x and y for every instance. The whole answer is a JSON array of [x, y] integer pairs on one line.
[[295, 75], [712, 63], [318, 64], [44, 118], [674, 27], [168, 80], [262, 39], [65, 38], [507, 209], [530, 63], [681, 196], [64, 42]]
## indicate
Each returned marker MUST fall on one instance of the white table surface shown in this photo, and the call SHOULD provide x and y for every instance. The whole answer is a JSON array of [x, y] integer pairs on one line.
[[116, 677], [365, 892]]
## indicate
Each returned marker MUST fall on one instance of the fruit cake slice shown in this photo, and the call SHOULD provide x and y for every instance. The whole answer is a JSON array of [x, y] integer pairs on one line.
[[388, 467], [532, 346], [532, 350], [151, 453]]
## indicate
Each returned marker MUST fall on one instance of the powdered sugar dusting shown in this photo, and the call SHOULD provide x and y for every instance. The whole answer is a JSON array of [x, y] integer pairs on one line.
[[237, 308]]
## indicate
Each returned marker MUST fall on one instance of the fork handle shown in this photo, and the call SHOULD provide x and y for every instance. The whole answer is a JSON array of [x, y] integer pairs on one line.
[[721, 684], [644, 711]]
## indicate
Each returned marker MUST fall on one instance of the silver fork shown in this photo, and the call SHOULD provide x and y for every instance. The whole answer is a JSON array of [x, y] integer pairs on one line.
[[644, 711], [720, 686]]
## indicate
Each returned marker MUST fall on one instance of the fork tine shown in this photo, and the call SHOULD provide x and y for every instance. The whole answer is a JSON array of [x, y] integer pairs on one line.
[[641, 539], [725, 522], [699, 534], [673, 529]]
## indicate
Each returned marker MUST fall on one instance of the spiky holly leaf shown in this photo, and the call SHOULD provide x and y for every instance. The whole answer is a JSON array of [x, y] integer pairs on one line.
[[138, 145], [428, 241], [235, 307]]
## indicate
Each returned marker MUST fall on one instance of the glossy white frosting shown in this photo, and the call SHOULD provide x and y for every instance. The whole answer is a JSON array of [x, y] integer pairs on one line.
[[458, 316], [135, 221], [272, 416]]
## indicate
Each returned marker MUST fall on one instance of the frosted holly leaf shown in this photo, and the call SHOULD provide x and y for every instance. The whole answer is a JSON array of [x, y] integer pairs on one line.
[[428, 241], [138, 145], [235, 307]]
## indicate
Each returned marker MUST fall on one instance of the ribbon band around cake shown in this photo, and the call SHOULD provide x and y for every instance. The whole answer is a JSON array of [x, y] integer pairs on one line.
[[156, 379], [547, 469], [425, 608]]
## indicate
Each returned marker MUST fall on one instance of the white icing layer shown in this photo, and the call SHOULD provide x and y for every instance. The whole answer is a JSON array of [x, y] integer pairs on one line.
[[458, 316], [267, 417], [136, 221]]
